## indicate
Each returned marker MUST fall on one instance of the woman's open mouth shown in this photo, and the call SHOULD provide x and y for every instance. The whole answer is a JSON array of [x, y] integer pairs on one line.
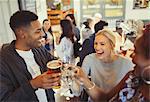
[[100, 53]]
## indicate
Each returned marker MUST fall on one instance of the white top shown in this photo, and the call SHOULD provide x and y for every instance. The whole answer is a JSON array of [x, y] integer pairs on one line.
[[34, 70], [50, 37], [106, 75], [65, 48]]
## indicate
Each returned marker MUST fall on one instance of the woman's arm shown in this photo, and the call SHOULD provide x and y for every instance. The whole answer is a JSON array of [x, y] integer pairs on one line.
[[95, 92]]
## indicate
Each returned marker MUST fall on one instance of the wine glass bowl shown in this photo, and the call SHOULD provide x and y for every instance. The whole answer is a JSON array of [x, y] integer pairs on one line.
[[69, 87]]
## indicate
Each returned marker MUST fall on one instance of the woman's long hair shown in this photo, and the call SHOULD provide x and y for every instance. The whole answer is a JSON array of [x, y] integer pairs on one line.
[[144, 42], [67, 30], [72, 17]]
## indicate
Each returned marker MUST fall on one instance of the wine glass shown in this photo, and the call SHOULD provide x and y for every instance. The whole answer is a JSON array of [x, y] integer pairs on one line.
[[67, 78]]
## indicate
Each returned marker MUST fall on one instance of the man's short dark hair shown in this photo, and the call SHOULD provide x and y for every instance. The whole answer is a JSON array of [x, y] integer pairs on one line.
[[22, 18]]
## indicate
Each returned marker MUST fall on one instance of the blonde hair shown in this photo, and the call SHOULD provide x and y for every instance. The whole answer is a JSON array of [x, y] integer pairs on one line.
[[108, 34]]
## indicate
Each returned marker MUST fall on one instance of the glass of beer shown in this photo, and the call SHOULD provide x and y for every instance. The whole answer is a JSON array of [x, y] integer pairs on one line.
[[54, 67]]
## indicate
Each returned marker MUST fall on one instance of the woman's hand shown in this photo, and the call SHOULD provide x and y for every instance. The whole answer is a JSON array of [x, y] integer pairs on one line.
[[93, 91], [79, 74], [82, 78]]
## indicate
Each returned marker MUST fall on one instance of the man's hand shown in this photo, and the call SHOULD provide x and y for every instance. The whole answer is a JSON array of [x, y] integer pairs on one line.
[[46, 81]]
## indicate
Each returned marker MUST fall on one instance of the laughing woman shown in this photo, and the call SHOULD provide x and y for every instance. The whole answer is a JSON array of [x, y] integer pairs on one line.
[[105, 67], [135, 86]]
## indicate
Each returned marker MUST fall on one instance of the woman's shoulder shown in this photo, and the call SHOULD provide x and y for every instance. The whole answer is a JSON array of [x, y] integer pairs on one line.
[[91, 57], [65, 39], [125, 59]]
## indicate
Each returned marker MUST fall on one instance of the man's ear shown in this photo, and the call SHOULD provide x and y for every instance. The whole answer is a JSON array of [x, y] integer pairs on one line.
[[20, 33]]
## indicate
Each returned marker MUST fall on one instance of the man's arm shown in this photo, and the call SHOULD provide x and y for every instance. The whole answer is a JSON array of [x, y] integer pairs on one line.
[[17, 86], [10, 90]]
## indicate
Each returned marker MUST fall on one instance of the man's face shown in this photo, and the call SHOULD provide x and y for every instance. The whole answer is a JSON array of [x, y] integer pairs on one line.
[[33, 35]]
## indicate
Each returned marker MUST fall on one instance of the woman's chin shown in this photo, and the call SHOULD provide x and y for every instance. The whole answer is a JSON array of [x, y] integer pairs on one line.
[[100, 57]]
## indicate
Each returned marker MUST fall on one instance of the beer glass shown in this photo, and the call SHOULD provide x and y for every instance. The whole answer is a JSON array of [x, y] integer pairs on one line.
[[54, 67]]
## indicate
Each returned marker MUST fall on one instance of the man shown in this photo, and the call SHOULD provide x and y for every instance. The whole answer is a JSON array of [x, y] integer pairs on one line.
[[23, 71]]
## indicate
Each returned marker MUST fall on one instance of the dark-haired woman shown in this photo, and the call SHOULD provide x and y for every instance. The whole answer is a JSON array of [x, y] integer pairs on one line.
[[76, 31], [64, 47], [48, 36]]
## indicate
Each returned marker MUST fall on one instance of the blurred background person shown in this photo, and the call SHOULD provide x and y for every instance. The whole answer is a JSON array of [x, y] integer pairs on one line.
[[76, 31], [75, 28], [48, 36], [64, 46], [139, 27], [124, 45], [97, 17], [87, 31]]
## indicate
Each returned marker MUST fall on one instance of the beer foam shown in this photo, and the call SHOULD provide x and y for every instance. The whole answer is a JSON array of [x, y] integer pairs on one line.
[[54, 64]]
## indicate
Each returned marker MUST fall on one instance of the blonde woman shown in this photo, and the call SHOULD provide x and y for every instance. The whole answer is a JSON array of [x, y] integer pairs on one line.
[[105, 67]]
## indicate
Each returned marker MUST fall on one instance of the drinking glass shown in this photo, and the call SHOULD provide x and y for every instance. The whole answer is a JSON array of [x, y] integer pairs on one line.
[[54, 67], [69, 88]]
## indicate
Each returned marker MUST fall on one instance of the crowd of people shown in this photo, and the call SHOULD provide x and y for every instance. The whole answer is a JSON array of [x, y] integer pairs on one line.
[[103, 73]]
